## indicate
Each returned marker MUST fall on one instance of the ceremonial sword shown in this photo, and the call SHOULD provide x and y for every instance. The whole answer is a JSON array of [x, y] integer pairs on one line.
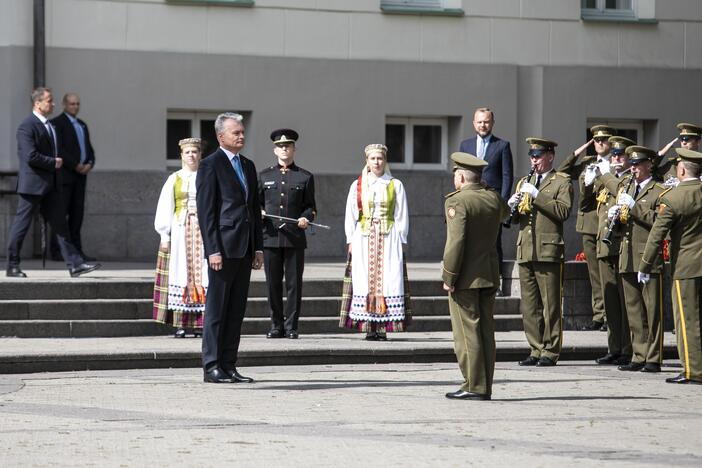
[[293, 220]]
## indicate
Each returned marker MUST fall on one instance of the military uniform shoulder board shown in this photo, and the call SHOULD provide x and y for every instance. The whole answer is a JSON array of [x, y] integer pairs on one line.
[[661, 186], [667, 189], [451, 194], [563, 174]]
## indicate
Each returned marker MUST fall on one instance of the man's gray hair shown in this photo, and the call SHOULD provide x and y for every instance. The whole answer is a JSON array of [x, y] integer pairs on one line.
[[221, 118], [692, 168], [38, 93], [470, 175]]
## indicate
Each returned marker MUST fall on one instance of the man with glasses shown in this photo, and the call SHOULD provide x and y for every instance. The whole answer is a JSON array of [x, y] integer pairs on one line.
[[618, 335], [587, 220], [543, 202], [286, 190], [689, 138]]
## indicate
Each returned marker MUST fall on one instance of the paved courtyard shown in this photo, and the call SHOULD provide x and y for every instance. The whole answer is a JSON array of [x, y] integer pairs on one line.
[[576, 414]]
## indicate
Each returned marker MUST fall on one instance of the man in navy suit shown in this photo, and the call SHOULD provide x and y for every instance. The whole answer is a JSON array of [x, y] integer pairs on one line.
[[78, 160], [39, 185], [229, 213], [496, 152]]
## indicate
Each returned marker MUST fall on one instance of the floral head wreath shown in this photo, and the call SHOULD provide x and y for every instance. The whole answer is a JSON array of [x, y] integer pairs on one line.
[[375, 147]]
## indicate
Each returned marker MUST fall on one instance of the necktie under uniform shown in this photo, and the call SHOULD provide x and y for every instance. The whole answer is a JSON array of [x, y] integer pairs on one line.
[[236, 163], [636, 192], [538, 181]]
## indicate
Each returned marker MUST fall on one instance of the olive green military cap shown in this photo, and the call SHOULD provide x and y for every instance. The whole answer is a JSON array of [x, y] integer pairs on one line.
[[602, 131], [688, 129], [689, 155], [541, 144], [639, 154], [619, 144], [467, 161]]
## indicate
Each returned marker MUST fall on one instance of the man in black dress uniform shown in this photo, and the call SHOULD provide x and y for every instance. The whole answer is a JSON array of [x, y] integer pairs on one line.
[[287, 190]]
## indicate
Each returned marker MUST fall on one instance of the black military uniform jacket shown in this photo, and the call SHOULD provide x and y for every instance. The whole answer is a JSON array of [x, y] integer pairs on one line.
[[289, 193]]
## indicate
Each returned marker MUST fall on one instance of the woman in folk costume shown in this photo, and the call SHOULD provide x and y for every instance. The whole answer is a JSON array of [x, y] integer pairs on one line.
[[375, 298], [181, 273]]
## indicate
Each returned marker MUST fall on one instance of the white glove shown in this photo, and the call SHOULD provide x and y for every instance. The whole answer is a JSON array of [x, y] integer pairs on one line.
[[513, 200], [530, 189], [612, 212], [603, 166], [643, 278], [625, 199], [590, 175]]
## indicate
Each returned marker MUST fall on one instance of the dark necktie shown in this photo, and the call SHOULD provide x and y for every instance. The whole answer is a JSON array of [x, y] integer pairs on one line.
[[538, 181], [636, 192]]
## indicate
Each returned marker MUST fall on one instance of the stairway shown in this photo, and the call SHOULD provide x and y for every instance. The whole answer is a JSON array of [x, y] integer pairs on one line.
[[113, 307]]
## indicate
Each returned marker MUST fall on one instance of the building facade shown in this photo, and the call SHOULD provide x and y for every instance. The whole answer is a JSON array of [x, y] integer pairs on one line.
[[344, 73]]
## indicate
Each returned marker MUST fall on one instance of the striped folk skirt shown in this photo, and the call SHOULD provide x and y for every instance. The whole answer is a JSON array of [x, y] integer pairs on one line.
[[161, 313]]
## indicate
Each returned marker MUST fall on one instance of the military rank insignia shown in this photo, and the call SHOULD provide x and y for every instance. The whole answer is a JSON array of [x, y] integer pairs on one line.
[[451, 212]]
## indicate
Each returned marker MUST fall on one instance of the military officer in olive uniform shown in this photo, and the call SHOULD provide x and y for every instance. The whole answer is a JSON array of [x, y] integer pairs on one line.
[[689, 138], [586, 223], [635, 212], [618, 334], [543, 204], [471, 273], [680, 214], [286, 190]]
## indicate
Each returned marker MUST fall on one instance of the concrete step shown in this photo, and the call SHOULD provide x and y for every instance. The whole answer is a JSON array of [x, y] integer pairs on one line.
[[123, 309], [54, 355], [252, 325], [80, 288]]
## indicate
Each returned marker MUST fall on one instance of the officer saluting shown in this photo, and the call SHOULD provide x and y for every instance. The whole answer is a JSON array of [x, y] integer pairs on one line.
[[680, 214], [285, 190], [471, 274]]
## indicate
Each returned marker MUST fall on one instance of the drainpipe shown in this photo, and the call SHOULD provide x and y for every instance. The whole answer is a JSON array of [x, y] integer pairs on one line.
[[39, 44]]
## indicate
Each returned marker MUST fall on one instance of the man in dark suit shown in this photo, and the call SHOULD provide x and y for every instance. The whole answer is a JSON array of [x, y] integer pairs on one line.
[[39, 185], [229, 214], [78, 160], [499, 173]]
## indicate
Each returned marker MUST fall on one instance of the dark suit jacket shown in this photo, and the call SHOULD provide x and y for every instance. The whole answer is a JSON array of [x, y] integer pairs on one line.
[[229, 221], [37, 174], [69, 148], [499, 174]]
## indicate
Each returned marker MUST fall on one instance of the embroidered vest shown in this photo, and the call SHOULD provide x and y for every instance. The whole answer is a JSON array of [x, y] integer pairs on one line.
[[384, 210]]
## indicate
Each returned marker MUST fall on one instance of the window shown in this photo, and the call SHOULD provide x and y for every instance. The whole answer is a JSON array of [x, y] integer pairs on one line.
[[416, 143], [638, 11], [192, 124], [435, 7], [631, 129]]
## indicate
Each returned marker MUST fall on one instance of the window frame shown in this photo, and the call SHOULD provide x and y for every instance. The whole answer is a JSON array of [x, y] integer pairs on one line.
[[601, 12], [409, 7], [195, 117], [409, 123]]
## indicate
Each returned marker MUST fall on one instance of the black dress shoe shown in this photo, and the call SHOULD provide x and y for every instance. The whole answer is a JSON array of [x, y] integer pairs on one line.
[[632, 366], [292, 334], [608, 358], [236, 377], [603, 327], [530, 361], [382, 336], [180, 333], [83, 268], [651, 367], [197, 333], [623, 360], [217, 375], [371, 337], [681, 379], [463, 395], [546, 362], [15, 272], [593, 326], [275, 334]]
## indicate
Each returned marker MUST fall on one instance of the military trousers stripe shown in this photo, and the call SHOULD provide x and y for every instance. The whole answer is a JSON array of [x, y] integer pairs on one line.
[[687, 301], [473, 324], [541, 307]]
